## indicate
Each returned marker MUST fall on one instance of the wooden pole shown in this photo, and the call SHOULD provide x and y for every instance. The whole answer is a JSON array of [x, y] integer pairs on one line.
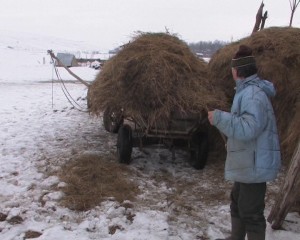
[[288, 192], [259, 16], [73, 74], [263, 21], [294, 5]]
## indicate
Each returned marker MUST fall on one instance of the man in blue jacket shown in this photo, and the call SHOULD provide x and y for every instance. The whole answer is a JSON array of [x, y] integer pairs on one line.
[[253, 151]]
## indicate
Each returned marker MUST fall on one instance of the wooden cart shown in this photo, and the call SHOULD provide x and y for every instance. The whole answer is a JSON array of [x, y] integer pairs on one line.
[[184, 130]]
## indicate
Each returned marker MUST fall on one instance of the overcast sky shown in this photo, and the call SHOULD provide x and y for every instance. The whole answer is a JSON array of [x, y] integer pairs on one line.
[[110, 23]]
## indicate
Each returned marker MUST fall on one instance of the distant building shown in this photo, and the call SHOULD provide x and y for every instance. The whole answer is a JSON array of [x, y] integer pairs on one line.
[[67, 59]]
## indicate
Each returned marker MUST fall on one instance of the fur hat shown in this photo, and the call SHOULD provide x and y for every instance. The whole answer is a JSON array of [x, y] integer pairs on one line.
[[243, 57]]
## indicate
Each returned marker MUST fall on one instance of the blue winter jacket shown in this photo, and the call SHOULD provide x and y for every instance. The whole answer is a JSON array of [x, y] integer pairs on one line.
[[253, 151]]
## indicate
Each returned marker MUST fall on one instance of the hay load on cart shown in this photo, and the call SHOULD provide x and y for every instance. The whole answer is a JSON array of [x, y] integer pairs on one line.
[[160, 86]]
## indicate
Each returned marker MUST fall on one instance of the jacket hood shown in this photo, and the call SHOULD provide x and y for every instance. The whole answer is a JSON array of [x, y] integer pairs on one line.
[[265, 85]]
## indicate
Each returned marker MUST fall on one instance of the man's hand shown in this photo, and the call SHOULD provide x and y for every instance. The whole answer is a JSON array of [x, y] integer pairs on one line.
[[211, 117]]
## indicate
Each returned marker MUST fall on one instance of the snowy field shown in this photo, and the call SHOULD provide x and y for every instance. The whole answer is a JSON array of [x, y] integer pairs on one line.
[[40, 131]]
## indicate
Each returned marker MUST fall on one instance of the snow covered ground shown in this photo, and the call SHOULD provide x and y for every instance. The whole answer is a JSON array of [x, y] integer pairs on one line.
[[40, 130]]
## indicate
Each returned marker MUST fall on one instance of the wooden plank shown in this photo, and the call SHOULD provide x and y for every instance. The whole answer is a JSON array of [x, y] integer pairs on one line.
[[69, 71], [288, 192]]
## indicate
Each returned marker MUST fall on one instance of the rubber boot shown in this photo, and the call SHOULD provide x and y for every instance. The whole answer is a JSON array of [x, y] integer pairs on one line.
[[259, 234], [256, 231], [238, 231]]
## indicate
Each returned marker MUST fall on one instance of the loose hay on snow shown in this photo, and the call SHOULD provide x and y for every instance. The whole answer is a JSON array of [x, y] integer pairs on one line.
[[93, 179], [277, 51], [153, 75]]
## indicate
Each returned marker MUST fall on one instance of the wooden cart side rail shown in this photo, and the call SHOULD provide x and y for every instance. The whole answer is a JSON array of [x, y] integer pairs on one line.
[[171, 135]]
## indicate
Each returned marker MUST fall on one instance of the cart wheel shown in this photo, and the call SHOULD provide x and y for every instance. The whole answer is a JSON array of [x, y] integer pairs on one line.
[[124, 144], [112, 120], [199, 153]]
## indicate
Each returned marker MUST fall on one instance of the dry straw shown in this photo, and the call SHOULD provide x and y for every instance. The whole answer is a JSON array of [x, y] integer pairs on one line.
[[152, 76], [93, 179], [277, 52]]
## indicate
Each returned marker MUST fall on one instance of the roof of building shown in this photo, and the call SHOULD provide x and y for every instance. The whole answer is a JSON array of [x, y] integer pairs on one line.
[[66, 59]]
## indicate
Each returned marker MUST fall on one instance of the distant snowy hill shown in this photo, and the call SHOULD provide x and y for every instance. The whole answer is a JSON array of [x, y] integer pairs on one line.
[[24, 57], [33, 42]]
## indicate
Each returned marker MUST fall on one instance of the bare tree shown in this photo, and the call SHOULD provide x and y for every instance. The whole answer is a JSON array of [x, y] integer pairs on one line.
[[293, 4]]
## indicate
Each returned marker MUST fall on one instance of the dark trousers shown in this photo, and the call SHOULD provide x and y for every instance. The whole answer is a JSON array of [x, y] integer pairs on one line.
[[248, 204]]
